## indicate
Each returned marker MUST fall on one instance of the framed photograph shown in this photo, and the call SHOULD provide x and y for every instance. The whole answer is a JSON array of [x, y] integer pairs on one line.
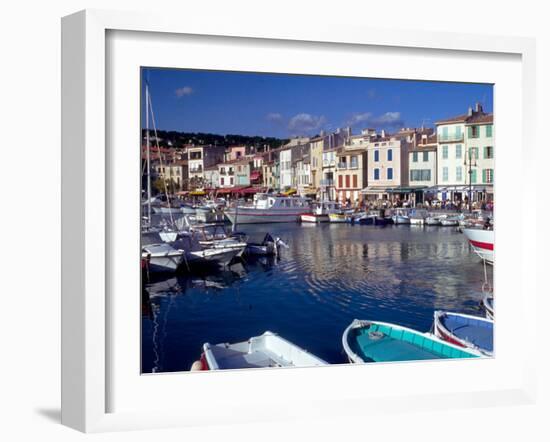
[[291, 223]]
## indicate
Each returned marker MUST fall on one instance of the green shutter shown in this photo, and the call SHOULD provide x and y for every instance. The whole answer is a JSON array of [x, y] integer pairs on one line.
[[489, 130], [469, 131], [474, 176]]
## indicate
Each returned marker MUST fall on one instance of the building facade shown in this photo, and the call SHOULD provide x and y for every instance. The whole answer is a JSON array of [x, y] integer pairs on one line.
[[461, 141], [351, 174], [387, 168], [480, 158]]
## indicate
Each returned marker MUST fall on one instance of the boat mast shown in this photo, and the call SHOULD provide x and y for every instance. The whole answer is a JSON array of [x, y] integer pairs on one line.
[[148, 154]]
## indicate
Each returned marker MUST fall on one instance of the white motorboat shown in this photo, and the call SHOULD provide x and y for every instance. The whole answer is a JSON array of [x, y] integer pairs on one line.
[[401, 216], [449, 221], [161, 258], [266, 350], [417, 220], [482, 242], [321, 211], [433, 221], [268, 208]]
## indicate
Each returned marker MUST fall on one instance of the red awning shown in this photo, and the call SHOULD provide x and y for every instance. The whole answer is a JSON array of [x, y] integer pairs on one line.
[[255, 175], [224, 191], [251, 190]]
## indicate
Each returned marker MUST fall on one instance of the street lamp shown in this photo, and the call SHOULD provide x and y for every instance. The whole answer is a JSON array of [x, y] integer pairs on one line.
[[470, 171]]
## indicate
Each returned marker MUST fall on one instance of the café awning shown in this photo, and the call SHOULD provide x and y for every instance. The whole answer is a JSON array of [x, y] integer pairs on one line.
[[374, 189]]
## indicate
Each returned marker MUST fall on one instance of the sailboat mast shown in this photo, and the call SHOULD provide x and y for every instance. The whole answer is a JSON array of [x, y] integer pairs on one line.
[[148, 154]]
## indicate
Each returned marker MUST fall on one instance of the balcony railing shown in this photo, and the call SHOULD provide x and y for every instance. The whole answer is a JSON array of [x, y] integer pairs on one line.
[[327, 183], [450, 138], [196, 170], [353, 165], [342, 165]]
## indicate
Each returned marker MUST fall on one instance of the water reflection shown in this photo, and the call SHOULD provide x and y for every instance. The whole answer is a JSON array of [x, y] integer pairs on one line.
[[329, 275]]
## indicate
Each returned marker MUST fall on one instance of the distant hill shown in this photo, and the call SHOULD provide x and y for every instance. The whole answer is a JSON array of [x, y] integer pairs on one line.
[[170, 138]]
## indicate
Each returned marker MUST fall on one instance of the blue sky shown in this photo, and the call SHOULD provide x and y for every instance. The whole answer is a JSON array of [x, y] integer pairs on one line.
[[282, 105]]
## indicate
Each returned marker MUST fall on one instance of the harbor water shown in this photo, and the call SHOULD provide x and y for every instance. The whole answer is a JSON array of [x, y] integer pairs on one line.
[[329, 275]]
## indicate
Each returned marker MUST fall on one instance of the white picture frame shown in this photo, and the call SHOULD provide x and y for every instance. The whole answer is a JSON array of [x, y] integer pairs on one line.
[[86, 352]]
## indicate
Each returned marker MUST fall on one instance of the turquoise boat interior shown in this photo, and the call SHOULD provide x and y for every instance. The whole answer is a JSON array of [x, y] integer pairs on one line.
[[382, 343]]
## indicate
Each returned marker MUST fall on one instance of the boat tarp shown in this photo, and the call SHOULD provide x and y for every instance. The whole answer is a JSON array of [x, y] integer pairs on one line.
[[478, 332], [388, 344]]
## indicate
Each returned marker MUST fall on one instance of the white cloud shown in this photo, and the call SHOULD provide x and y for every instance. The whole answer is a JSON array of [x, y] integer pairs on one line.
[[274, 117], [183, 91], [367, 119], [303, 123]]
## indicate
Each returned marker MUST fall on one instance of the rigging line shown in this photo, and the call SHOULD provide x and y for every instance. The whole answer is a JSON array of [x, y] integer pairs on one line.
[[160, 157]]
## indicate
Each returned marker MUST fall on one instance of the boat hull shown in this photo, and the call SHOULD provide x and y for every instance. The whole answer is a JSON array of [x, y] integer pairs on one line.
[[373, 341], [263, 216], [465, 331], [312, 218], [337, 218], [161, 258], [266, 350], [482, 242]]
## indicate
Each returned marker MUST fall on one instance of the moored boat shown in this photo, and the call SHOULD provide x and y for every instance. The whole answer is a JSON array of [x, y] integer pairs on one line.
[[482, 242], [374, 341], [320, 212], [161, 258], [465, 331], [488, 306], [268, 247], [269, 209], [337, 217], [449, 221], [433, 221], [401, 216], [266, 350]]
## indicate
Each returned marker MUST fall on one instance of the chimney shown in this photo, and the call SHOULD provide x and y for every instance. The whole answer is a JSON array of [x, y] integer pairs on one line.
[[322, 133], [382, 133], [470, 111], [478, 108]]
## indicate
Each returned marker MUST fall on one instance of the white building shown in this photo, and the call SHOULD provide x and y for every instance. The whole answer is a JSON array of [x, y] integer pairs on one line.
[[285, 169], [423, 168], [387, 166], [480, 159], [453, 158]]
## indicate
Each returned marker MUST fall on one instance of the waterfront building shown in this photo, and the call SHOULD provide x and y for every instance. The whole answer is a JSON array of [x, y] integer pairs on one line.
[[328, 189], [233, 153], [243, 170], [333, 143], [302, 170], [201, 157], [423, 166], [268, 174], [212, 177], [387, 168], [351, 171], [226, 172], [285, 168], [288, 153], [174, 175], [454, 159], [479, 161], [316, 160]]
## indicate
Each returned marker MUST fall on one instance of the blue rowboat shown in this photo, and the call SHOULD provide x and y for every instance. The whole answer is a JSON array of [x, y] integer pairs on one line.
[[467, 331], [488, 305], [373, 341]]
